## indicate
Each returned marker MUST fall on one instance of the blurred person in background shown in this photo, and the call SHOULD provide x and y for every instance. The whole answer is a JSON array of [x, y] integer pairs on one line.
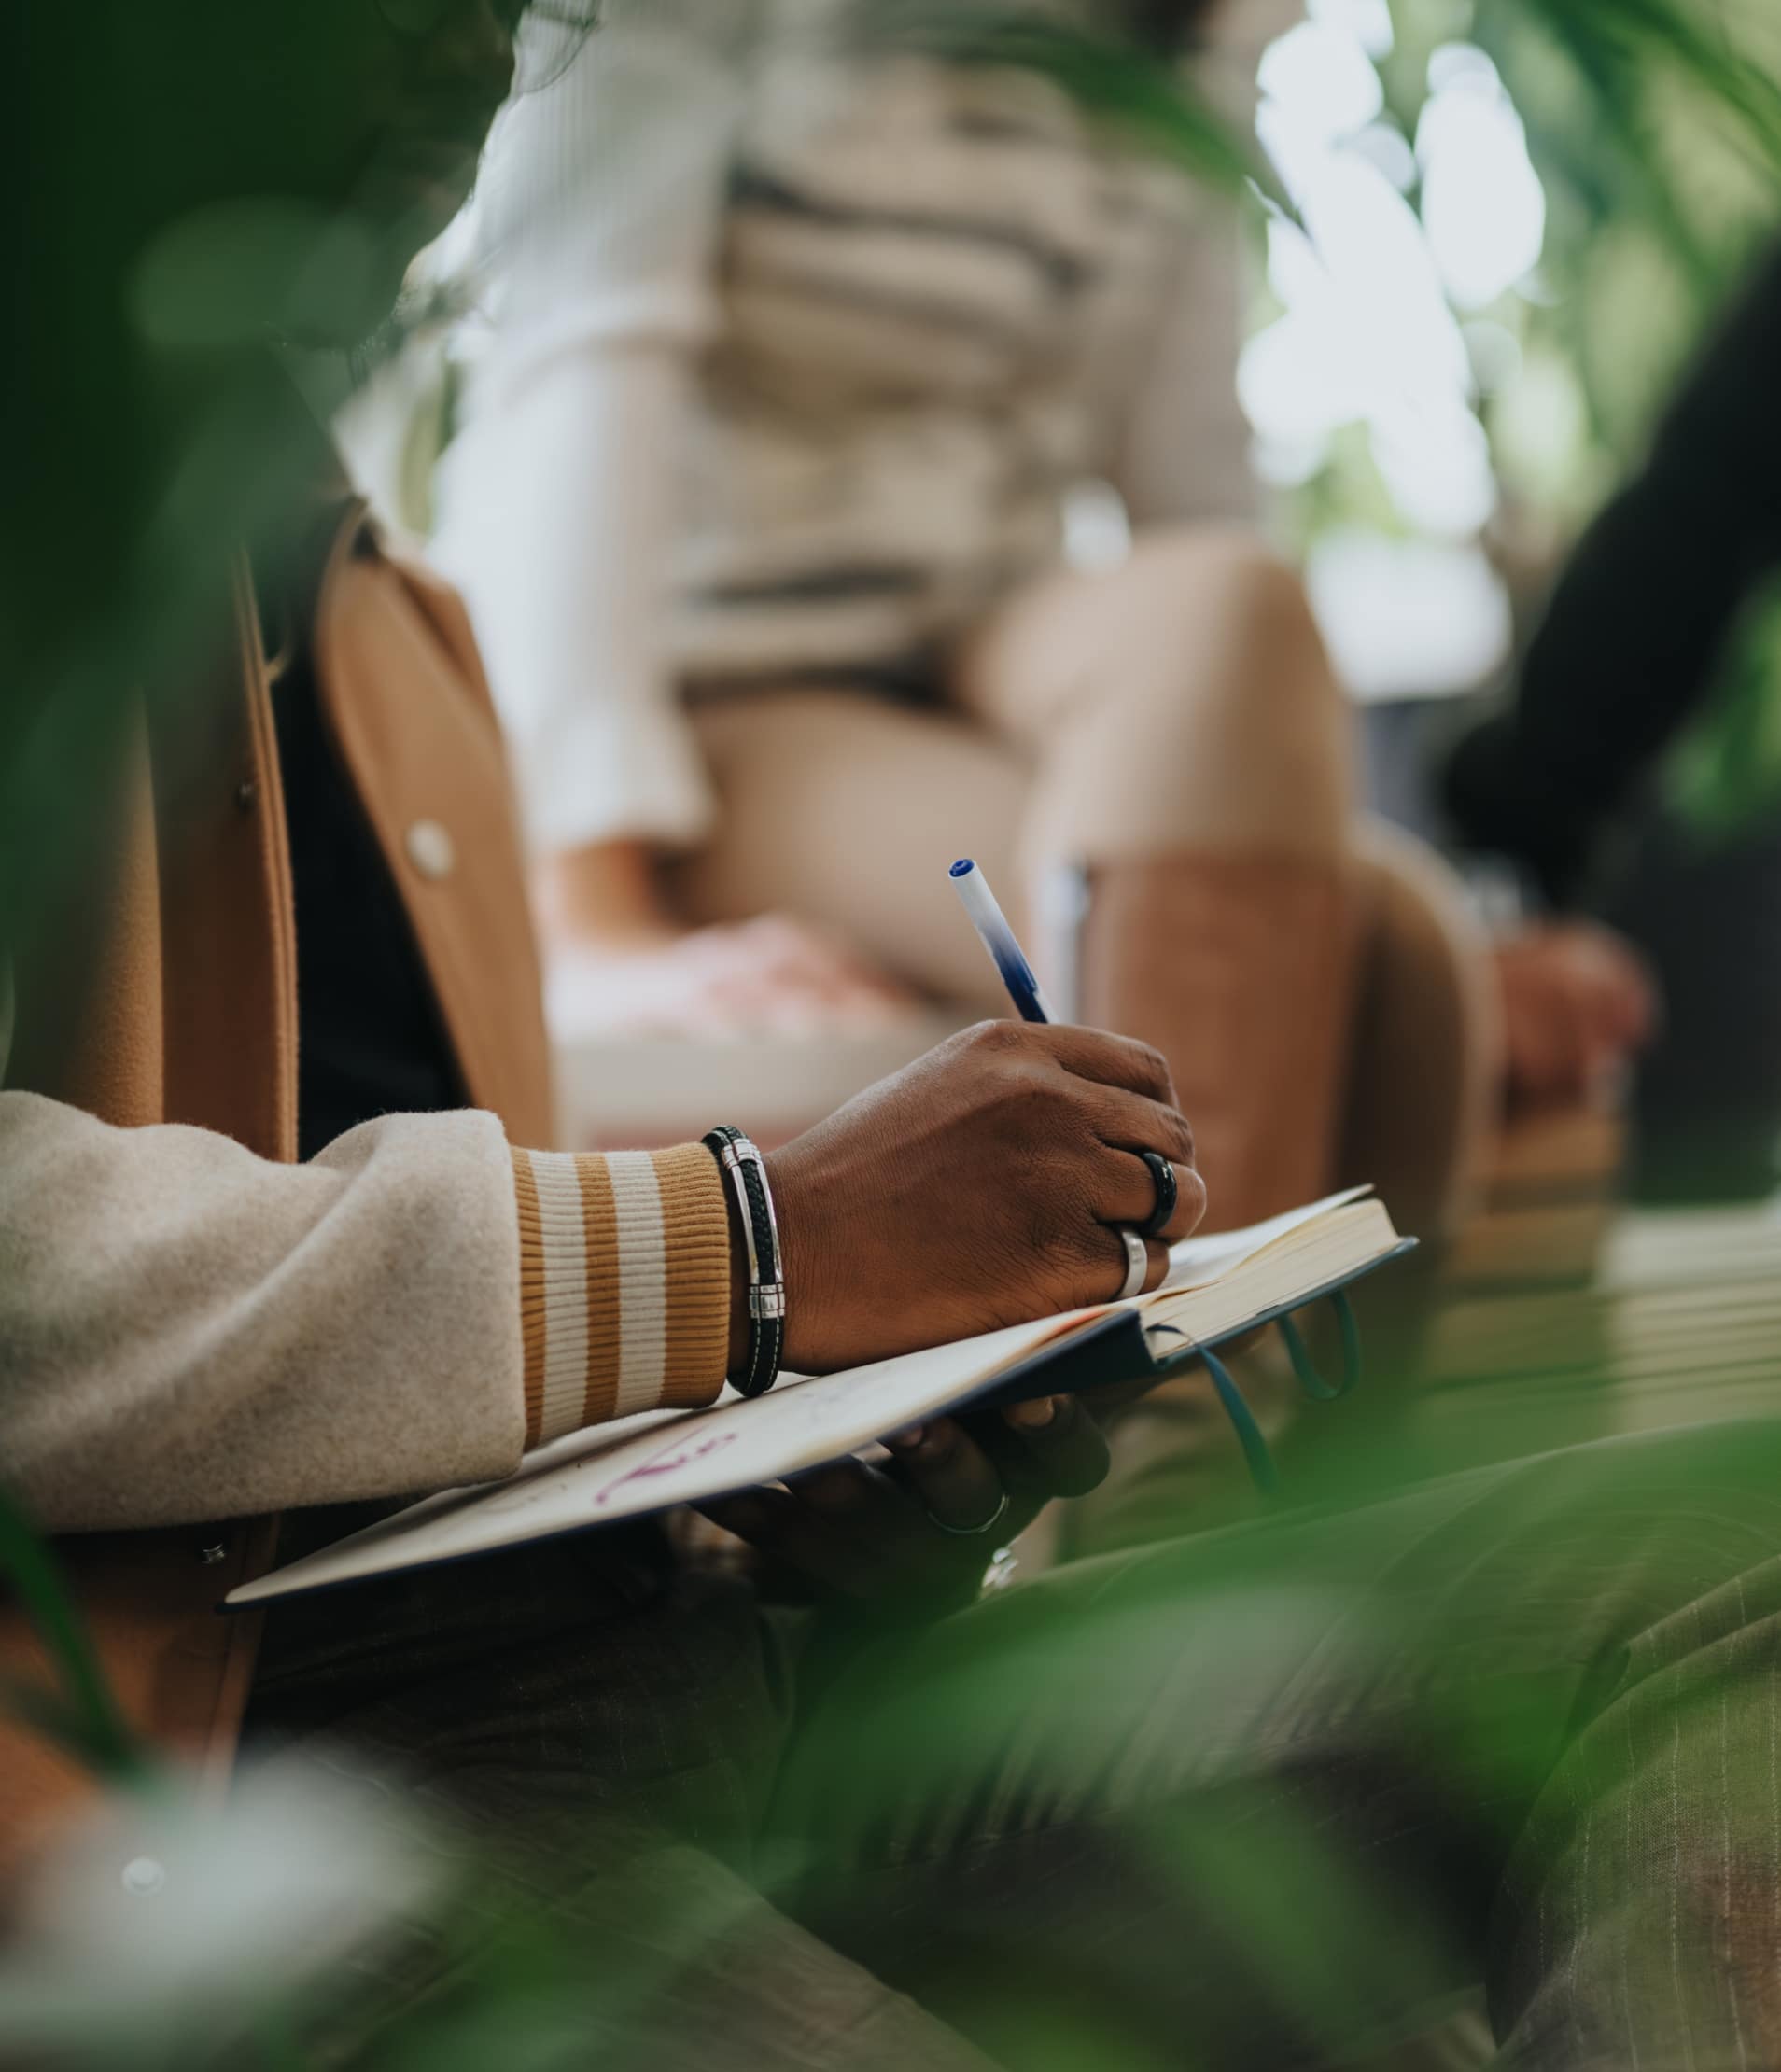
[[1627, 651], [803, 353]]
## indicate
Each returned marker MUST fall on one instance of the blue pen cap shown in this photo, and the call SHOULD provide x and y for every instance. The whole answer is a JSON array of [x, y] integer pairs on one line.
[[991, 924]]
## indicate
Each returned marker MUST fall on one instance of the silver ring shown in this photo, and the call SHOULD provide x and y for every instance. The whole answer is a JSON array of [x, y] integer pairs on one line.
[[1137, 1265], [974, 1532]]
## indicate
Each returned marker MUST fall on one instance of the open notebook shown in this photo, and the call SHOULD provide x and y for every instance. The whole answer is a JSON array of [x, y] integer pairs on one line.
[[1218, 1288]]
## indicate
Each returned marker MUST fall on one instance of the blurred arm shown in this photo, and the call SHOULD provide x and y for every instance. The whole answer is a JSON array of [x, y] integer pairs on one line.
[[188, 1332], [599, 209], [1640, 618], [1186, 443]]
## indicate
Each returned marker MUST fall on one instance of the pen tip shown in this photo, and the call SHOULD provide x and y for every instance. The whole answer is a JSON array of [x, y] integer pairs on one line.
[[962, 868]]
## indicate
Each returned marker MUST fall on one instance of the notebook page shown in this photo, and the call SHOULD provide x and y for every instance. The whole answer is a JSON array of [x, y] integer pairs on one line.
[[1196, 1262], [1342, 1243], [668, 1457]]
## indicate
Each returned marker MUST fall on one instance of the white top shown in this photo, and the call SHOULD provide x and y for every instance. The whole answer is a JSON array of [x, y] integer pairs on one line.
[[796, 357]]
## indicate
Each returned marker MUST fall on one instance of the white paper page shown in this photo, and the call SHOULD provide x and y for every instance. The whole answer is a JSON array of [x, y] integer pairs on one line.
[[666, 1457], [1341, 1244], [1197, 1261]]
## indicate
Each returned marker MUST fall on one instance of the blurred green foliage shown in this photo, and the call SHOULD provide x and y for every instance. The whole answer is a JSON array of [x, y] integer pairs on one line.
[[1655, 126], [198, 197], [77, 1712], [209, 188], [1139, 91]]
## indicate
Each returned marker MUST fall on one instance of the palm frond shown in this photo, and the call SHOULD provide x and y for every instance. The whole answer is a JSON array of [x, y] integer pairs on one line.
[[1625, 45], [1629, 62]]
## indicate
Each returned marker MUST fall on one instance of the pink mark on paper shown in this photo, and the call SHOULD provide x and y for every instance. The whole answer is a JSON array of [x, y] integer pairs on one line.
[[676, 1455]]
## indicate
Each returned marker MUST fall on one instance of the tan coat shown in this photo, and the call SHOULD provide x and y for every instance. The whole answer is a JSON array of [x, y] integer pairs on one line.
[[185, 1314]]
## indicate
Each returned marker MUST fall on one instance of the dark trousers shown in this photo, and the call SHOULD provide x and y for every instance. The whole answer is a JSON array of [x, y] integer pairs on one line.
[[1265, 1796]]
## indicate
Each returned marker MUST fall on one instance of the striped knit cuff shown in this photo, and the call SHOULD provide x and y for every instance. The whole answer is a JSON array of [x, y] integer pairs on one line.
[[624, 1284]]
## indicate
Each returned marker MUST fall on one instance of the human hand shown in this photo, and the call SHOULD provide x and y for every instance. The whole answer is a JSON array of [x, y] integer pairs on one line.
[[982, 1186], [916, 1533], [773, 976], [1578, 1004]]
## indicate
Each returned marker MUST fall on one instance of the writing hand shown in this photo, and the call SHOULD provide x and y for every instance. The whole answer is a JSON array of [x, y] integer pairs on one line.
[[981, 1187]]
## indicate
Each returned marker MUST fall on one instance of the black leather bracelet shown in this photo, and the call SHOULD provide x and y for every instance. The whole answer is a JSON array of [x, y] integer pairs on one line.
[[747, 1172]]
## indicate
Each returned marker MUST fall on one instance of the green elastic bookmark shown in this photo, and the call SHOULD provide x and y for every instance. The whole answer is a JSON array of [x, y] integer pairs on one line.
[[1305, 1368], [1262, 1471]]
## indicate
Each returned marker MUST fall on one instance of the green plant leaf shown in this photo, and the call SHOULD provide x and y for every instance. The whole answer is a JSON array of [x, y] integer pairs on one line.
[[1150, 101], [84, 1718]]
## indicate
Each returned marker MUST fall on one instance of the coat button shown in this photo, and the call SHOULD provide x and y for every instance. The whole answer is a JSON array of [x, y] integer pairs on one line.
[[432, 850]]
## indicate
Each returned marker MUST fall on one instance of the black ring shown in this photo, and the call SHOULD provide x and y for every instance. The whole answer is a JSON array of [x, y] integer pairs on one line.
[[1167, 1194]]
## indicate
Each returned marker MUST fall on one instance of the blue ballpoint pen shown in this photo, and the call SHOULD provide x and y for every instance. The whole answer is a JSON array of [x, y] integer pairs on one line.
[[991, 924]]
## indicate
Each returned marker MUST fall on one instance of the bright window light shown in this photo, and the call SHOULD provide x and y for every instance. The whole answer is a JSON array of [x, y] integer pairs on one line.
[[1371, 287], [1483, 206], [1407, 618], [1318, 85], [1368, 22]]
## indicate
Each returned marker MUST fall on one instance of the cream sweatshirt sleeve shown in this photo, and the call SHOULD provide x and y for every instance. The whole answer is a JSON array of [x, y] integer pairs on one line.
[[598, 215], [188, 1332]]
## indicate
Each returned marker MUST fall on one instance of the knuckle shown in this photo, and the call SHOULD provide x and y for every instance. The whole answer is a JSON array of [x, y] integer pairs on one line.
[[944, 1462], [939, 1451], [1141, 1066], [1151, 1062], [995, 1038]]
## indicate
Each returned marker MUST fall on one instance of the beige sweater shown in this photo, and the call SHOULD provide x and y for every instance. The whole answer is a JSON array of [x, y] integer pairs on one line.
[[193, 1327], [190, 1332]]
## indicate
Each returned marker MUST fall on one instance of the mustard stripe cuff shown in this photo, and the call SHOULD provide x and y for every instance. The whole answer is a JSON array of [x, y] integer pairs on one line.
[[696, 1224], [624, 1284], [642, 1241]]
